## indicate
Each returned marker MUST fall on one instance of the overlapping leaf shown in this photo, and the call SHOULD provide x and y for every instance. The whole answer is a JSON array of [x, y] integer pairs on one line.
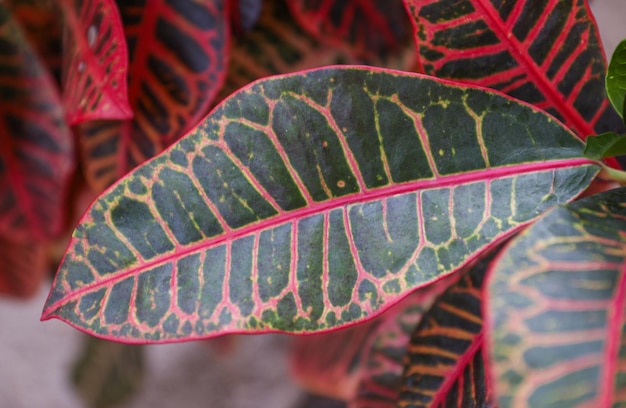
[[278, 45], [36, 152], [95, 61], [178, 56], [556, 309], [330, 364], [381, 376], [444, 365], [543, 52], [367, 28], [359, 364], [309, 202]]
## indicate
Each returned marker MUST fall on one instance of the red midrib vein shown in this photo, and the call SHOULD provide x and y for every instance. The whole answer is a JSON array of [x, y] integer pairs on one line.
[[538, 76], [319, 208]]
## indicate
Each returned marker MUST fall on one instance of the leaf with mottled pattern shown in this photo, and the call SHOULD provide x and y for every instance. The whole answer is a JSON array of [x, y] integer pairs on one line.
[[312, 201]]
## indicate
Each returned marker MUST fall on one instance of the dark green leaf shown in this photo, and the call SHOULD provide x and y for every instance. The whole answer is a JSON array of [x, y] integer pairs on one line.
[[616, 79]]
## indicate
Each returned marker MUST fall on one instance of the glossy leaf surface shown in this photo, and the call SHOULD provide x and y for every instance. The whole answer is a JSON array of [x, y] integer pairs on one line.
[[605, 145], [178, 53], [36, 152], [444, 365], [367, 28], [556, 306], [309, 202], [616, 79], [95, 61], [543, 52]]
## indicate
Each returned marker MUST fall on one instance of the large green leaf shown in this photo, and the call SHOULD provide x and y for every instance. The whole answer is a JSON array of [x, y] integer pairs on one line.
[[311, 201], [555, 311], [616, 78]]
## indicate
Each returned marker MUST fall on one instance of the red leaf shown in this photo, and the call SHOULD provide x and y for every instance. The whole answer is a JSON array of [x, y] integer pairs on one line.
[[95, 61], [22, 268], [36, 152], [369, 28], [177, 66], [40, 21], [543, 52]]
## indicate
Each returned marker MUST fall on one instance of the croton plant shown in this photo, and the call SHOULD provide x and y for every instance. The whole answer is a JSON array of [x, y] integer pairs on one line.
[[403, 176]]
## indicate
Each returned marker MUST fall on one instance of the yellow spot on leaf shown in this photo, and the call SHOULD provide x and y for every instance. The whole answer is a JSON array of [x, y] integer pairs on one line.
[[341, 184], [440, 152]]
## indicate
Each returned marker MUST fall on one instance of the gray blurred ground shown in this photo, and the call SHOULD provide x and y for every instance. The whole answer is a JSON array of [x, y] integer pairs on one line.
[[35, 357]]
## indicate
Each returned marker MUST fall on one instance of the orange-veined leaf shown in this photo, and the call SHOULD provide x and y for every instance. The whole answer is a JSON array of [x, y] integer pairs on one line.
[[361, 358], [36, 150], [366, 28], [41, 23], [178, 53], [555, 308], [545, 52], [444, 364], [23, 266], [278, 45], [312, 201], [381, 377], [95, 61]]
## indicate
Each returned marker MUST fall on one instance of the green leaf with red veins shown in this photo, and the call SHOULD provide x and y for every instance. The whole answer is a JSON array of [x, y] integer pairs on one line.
[[36, 152], [178, 52], [555, 308], [545, 52], [95, 61], [444, 364], [312, 201], [366, 28]]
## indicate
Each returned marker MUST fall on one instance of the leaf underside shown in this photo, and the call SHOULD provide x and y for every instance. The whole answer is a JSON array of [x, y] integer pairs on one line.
[[543, 52], [556, 305], [309, 202]]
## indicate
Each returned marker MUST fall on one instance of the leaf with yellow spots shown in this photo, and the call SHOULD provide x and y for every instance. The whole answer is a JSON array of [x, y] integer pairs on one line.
[[182, 247]]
